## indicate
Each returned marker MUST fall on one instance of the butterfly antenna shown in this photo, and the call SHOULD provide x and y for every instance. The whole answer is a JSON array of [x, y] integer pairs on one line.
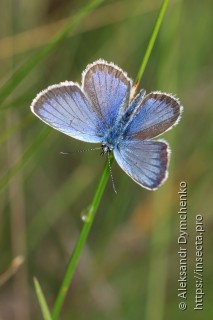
[[82, 150], [110, 169]]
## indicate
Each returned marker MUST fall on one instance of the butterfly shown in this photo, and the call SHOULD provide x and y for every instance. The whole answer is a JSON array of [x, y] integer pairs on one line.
[[101, 110]]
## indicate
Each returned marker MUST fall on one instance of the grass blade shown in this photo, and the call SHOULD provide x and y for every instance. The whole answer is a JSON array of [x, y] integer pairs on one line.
[[151, 41], [42, 302]]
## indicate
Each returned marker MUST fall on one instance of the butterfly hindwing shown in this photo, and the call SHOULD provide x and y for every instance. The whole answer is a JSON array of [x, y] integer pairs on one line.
[[144, 161]]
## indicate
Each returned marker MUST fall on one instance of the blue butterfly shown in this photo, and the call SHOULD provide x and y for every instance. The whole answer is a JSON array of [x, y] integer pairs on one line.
[[101, 111]]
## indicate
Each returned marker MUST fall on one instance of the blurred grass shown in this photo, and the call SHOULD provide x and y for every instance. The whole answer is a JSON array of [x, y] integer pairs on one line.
[[42, 302], [129, 269], [19, 75]]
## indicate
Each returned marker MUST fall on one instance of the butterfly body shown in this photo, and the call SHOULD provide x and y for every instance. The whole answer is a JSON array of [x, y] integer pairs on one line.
[[118, 130], [114, 136], [100, 111]]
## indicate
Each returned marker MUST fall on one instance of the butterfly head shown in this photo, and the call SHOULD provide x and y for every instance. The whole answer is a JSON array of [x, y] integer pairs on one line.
[[105, 149]]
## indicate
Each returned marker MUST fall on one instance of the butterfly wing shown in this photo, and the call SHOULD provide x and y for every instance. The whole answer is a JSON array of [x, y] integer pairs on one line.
[[66, 108], [108, 89], [144, 161], [156, 113]]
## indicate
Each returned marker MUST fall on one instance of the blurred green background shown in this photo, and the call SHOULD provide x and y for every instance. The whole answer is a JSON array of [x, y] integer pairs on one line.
[[130, 266]]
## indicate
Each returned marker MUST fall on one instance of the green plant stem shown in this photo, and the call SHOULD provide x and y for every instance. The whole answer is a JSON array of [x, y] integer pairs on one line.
[[88, 220], [151, 41], [99, 192]]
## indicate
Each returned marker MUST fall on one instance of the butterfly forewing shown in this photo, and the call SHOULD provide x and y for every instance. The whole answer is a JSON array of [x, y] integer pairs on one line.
[[108, 89], [157, 113], [65, 108]]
